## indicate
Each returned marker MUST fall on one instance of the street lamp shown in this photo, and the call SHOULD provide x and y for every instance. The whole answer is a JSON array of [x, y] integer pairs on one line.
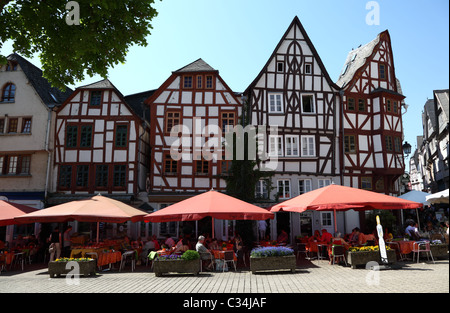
[[406, 148]]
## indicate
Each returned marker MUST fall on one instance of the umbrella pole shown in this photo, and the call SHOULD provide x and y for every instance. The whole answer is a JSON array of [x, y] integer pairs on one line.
[[98, 228], [335, 223], [212, 221], [418, 220]]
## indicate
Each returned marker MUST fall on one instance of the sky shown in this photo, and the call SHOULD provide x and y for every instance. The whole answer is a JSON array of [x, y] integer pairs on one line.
[[237, 38]]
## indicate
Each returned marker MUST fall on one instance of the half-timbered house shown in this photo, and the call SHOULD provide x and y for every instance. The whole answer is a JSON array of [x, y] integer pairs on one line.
[[189, 114], [371, 128], [101, 144], [295, 98]]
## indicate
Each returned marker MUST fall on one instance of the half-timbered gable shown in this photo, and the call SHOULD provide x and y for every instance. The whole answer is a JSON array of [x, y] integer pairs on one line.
[[197, 105], [294, 92], [372, 120], [100, 142]]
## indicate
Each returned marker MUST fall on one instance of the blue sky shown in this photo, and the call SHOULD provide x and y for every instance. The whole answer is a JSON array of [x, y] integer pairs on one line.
[[237, 37]]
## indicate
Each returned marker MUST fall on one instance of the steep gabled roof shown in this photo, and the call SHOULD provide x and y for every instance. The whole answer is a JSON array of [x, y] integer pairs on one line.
[[295, 22], [442, 97], [196, 66], [136, 101], [355, 60], [49, 95]]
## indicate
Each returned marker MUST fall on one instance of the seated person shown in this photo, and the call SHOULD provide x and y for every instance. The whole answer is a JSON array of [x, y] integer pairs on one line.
[[326, 236], [412, 231], [182, 247], [283, 237], [156, 242], [169, 241], [148, 246], [125, 244], [214, 245], [338, 240], [317, 236], [355, 239], [205, 254]]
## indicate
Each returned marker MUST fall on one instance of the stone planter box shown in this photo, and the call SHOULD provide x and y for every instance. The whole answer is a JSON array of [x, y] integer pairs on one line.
[[273, 263], [438, 251], [176, 266], [59, 268], [364, 257]]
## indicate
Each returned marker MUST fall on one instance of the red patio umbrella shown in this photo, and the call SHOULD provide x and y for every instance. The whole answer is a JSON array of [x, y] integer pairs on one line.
[[211, 203], [10, 210], [342, 198], [95, 209]]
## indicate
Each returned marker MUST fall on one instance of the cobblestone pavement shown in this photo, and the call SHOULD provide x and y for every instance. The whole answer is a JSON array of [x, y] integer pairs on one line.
[[310, 277]]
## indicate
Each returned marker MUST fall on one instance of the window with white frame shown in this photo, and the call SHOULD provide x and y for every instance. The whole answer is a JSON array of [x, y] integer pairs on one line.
[[262, 189], [308, 146], [304, 186], [326, 219], [291, 146], [275, 145], [324, 182], [284, 188], [275, 103]]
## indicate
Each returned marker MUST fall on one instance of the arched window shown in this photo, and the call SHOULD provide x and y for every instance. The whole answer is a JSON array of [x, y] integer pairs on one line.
[[11, 66], [9, 92]]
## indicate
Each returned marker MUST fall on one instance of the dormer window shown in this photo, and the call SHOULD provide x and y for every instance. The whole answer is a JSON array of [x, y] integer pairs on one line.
[[11, 66], [96, 97], [187, 82], [9, 92]]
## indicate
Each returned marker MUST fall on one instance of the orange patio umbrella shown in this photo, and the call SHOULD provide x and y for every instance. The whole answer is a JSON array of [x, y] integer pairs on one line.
[[10, 210], [211, 203], [341, 198], [95, 209]]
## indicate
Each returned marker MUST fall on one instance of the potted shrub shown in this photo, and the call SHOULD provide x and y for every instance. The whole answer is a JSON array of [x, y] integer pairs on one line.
[[363, 255], [188, 262], [59, 266], [272, 258]]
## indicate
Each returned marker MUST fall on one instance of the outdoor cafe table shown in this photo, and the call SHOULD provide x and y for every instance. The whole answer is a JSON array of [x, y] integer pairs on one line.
[[220, 254], [313, 246], [104, 257], [406, 247]]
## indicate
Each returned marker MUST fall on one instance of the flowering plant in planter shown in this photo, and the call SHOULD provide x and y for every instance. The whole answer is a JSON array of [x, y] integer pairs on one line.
[[271, 251], [272, 258], [188, 262], [366, 248], [73, 259], [168, 257]]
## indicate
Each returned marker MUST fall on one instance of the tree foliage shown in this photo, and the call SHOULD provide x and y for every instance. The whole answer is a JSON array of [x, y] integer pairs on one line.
[[244, 174], [106, 31]]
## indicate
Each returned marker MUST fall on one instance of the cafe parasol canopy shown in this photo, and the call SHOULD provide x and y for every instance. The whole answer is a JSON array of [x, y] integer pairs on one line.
[[439, 197], [95, 209], [341, 198], [10, 210], [211, 203]]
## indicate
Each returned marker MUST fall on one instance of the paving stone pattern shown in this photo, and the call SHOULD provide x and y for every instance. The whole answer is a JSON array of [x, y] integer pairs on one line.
[[315, 277]]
